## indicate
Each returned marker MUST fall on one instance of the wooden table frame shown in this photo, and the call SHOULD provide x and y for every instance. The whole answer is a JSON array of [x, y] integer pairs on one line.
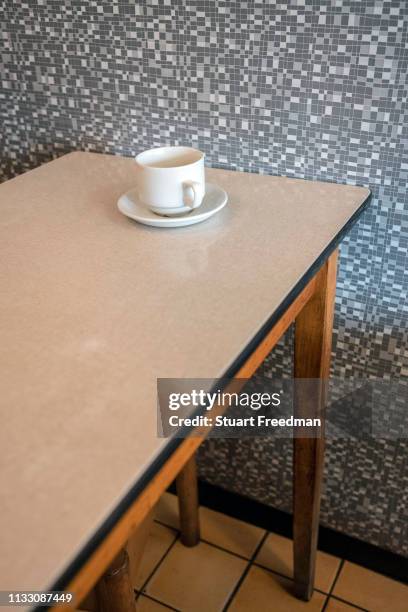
[[312, 311]]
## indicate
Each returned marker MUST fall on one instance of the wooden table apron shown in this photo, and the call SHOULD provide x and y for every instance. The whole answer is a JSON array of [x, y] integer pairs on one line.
[[312, 312]]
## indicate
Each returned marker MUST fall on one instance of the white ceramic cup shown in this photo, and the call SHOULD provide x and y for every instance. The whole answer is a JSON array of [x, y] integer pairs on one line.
[[170, 180]]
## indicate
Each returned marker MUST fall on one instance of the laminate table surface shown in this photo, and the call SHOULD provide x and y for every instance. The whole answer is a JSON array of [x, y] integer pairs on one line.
[[94, 307]]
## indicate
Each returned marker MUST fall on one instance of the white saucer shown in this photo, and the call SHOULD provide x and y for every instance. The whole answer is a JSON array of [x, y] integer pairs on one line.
[[215, 198]]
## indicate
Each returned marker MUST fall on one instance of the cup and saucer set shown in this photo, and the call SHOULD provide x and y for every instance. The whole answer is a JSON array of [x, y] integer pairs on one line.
[[171, 190]]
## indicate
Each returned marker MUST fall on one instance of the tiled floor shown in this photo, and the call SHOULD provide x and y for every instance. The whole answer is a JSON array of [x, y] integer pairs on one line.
[[241, 568]]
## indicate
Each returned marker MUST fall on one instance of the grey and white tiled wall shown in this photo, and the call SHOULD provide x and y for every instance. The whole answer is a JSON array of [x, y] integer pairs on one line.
[[306, 88]]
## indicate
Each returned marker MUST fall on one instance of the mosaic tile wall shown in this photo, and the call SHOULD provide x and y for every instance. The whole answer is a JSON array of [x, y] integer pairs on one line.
[[314, 89]]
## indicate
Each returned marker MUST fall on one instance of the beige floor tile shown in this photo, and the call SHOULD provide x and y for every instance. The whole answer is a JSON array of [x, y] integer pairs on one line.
[[144, 604], [217, 528], [335, 605], [262, 591], [195, 579], [276, 554], [370, 590], [166, 510], [222, 530], [158, 542]]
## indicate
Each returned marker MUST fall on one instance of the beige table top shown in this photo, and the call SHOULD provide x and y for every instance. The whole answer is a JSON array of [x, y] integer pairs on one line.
[[94, 307]]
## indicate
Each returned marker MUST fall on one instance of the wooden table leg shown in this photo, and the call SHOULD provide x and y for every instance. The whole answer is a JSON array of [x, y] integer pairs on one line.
[[114, 590], [313, 340], [187, 492]]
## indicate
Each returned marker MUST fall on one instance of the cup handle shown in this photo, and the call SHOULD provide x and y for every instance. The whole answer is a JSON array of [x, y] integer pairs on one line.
[[193, 193]]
